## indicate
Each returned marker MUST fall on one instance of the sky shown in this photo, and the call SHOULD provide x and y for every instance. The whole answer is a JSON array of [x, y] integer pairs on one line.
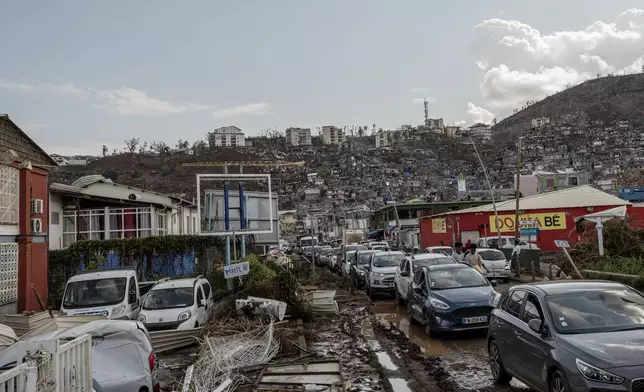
[[76, 75]]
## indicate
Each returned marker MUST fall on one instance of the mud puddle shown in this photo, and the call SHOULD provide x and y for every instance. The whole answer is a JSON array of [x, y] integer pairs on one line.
[[456, 362]]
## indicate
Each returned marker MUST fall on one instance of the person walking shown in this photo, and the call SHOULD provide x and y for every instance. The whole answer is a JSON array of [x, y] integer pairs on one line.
[[458, 252]]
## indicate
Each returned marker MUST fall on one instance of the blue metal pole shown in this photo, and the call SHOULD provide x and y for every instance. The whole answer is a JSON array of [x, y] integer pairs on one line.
[[242, 218], [229, 283]]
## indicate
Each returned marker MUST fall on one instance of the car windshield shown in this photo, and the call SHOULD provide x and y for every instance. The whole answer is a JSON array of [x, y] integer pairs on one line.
[[364, 258], [175, 297], [96, 292], [456, 278], [597, 311], [387, 260], [434, 261], [492, 255]]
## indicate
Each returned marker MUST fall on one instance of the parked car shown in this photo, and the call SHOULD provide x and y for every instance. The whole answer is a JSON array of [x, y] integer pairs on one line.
[[324, 256], [114, 294], [495, 262], [450, 297], [378, 244], [177, 304], [507, 242], [347, 260], [411, 265], [382, 272], [570, 336], [348, 248], [439, 249], [359, 269]]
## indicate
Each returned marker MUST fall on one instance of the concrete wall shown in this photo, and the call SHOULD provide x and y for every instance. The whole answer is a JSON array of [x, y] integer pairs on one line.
[[55, 230]]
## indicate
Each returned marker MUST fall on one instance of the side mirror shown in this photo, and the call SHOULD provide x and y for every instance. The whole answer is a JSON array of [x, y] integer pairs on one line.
[[537, 326], [494, 282], [404, 273]]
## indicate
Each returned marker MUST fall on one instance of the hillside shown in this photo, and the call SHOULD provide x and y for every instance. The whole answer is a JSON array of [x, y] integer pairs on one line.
[[610, 98]]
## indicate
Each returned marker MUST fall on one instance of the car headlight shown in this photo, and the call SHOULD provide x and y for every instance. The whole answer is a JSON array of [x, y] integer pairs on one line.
[[361, 272], [378, 274], [142, 318], [118, 310], [495, 300], [596, 374], [438, 304], [184, 315]]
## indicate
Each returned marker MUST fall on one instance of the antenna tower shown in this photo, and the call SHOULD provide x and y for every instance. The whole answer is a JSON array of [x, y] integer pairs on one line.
[[426, 104]]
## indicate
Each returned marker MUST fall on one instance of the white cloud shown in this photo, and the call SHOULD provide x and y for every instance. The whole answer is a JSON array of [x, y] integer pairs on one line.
[[124, 101], [127, 101], [460, 123], [417, 90], [257, 109], [422, 100], [478, 114], [528, 64]]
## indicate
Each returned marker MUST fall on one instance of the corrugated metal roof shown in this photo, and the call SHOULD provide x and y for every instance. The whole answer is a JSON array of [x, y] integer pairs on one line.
[[580, 196], [63, 188], [89, 180]]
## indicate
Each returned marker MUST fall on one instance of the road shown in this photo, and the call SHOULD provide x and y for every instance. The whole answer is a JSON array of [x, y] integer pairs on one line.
[[463, 355]]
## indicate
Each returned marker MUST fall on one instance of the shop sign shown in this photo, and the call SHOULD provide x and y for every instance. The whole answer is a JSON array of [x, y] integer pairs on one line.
[[438, 225], [545, 221]]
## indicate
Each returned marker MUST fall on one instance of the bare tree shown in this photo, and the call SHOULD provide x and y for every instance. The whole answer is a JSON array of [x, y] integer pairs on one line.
[[181, 144], [105, 150], [360, 132], [199, 147], [143, 148], [132, 144], [160, 148]]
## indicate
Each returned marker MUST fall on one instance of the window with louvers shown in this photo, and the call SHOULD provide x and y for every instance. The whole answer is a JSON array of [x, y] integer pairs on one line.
[[8, 273]]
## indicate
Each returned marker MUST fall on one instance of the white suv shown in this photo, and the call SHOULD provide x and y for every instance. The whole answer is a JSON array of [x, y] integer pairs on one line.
[[382, 272], [177, 304], [412, 264]]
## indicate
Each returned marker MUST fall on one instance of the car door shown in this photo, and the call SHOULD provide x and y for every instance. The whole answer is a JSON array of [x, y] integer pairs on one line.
[[207, 291], [533, 346], [133, 299], [201, 308], [508, 327], [407, 279], [417, 296]]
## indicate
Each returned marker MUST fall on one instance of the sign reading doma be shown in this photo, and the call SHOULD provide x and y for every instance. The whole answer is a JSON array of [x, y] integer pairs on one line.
[[547, 221]]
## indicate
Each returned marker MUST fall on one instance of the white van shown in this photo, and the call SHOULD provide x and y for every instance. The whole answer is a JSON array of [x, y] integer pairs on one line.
[[113, 294], [507, 242], [177, 304]]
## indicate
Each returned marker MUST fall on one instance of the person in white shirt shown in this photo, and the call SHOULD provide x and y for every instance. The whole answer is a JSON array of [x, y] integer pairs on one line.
[[475, 260], [458, 252]]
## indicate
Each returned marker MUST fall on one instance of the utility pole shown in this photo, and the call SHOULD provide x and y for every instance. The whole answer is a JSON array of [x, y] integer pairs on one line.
[[489, 185], [517, 230]]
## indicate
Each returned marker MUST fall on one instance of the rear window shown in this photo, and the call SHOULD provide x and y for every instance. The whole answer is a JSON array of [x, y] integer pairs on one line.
[[491, 255], [381, 261], [435, 261]]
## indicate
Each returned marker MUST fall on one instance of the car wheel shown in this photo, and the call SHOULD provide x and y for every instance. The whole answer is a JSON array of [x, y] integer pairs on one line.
[[496, 365], [428, 327], [558, 382]]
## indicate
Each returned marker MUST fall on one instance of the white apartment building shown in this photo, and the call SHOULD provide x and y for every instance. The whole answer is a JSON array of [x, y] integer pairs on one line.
[[298, 136], [453, 131], [332, 135], [480, 131], [229, 136], [539, 122], [382, 139]]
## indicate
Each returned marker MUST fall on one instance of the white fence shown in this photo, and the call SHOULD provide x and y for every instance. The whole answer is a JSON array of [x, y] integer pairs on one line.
[[50, 366], [73, 365], [22, 378]]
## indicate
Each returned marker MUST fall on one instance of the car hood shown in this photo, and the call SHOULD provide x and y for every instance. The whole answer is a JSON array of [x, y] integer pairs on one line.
[[465, 295], [608, 349], [386, 270]]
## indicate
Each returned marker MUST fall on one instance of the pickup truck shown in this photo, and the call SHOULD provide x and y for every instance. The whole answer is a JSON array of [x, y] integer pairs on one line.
[[412, 264]]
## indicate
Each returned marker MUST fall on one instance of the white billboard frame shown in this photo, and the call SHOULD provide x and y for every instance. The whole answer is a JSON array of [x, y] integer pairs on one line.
[[236, 177]]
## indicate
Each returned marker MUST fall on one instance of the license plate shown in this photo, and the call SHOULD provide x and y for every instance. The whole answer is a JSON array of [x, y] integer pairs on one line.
[[475, 320]]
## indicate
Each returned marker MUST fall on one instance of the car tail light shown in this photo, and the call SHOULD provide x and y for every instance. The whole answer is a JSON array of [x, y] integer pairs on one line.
[[151, 361]]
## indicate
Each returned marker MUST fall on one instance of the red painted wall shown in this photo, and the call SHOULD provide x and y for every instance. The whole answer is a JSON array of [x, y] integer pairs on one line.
[[32, 253], [472, 221]]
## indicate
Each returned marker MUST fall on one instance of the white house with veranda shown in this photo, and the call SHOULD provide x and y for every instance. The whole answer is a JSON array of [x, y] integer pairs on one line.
[[95, 208]]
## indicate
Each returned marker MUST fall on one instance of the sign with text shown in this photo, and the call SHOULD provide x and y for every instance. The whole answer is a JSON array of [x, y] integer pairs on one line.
[[562, 244], [529, 230], [438, 225], [546, 221], [235, 270]]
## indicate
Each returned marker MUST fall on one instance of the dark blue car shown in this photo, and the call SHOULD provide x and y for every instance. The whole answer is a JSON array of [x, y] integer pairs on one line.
[[451, 297]]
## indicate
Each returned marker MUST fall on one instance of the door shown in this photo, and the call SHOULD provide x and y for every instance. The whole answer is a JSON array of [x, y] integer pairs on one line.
[[535, 347], [133, 301], [201, 308], [418, 296], [509, 326], [208, 294]]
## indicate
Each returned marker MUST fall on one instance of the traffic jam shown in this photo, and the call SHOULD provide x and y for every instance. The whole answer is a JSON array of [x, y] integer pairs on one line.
[[555, 336]]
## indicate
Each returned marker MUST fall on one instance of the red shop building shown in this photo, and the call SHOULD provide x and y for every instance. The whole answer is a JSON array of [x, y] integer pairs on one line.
[[24, 220], [555, 212]]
